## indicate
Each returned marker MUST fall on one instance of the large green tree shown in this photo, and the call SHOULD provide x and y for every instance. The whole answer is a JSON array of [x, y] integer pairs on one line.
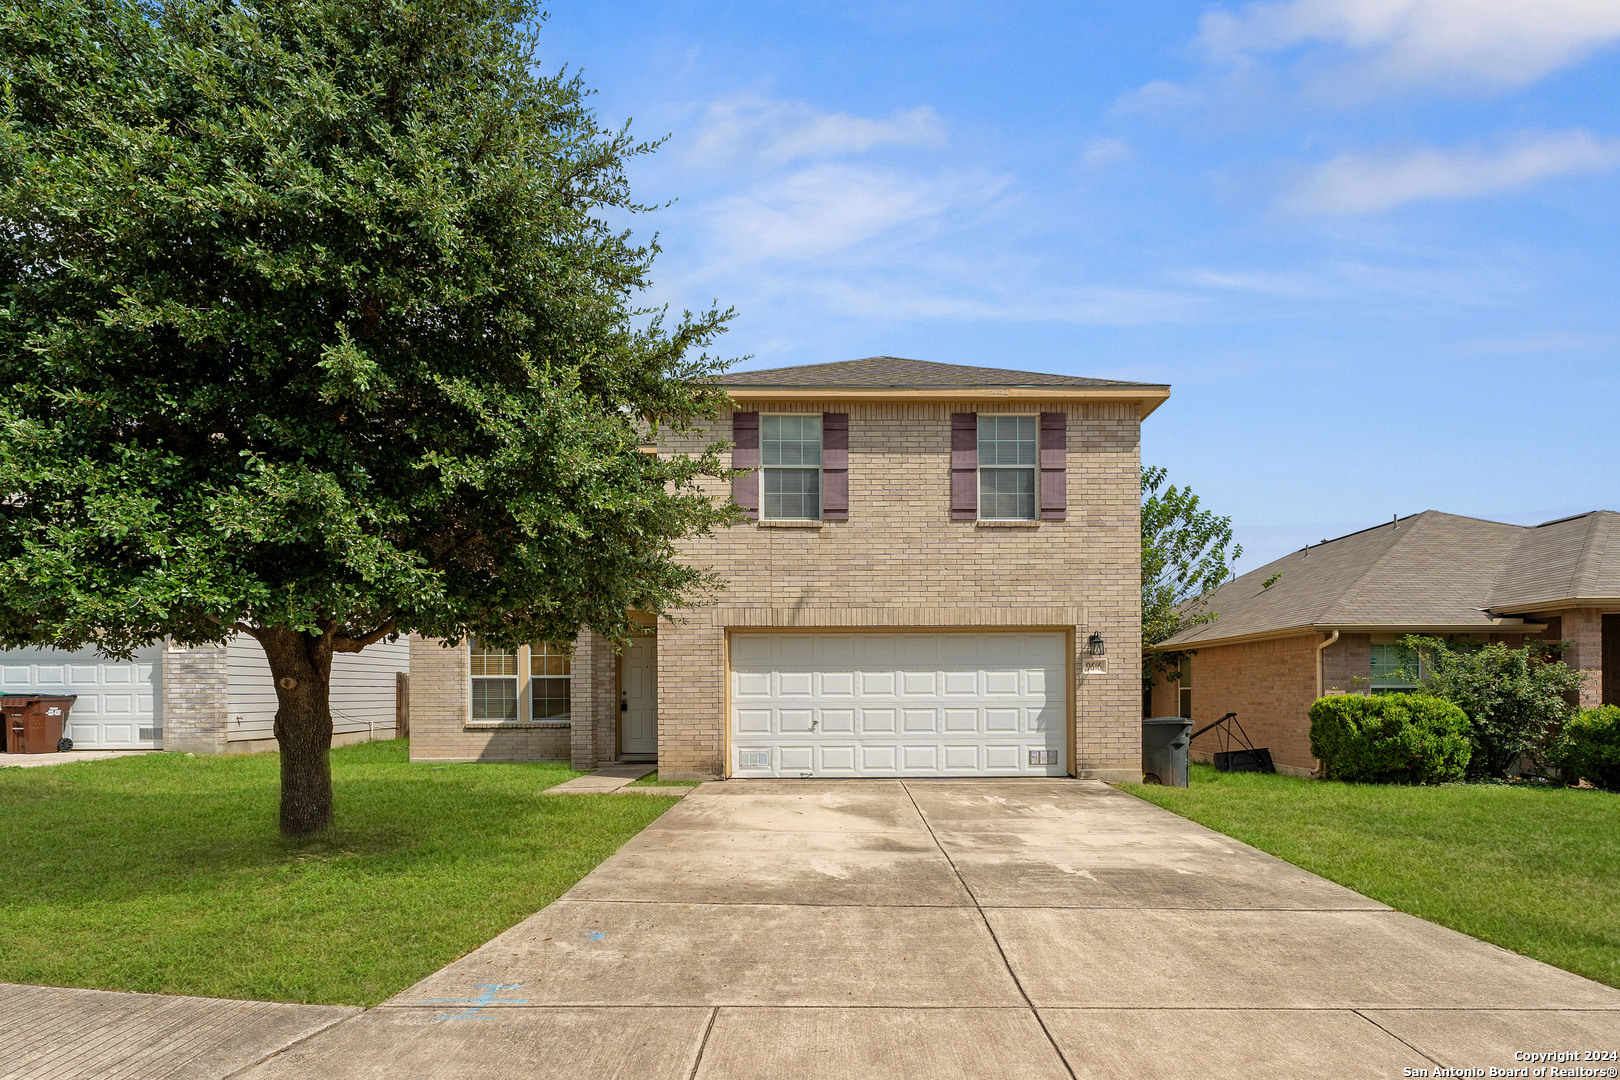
[[315, 328], [1187, 551]]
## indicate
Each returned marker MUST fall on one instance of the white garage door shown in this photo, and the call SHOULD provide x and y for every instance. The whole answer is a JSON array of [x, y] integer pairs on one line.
[[902, 704], [117, 706]]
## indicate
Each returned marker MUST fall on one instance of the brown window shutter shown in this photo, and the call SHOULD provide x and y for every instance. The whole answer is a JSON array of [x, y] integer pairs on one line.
[[834, 466], [964, 466], [745, 455], [1054, 459]]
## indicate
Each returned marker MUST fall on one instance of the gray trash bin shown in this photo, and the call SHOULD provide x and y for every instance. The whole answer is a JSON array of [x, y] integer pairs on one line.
[[1164, 750]]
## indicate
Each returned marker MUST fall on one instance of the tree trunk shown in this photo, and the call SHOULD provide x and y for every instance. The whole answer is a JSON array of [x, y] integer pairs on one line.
[[301, 665]]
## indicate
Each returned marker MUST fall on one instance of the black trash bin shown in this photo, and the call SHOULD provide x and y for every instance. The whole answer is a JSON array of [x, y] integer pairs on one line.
[[1165, 740]]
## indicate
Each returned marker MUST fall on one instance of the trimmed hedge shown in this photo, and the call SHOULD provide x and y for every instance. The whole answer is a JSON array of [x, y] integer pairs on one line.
[[1390, 739], [1589, 748]]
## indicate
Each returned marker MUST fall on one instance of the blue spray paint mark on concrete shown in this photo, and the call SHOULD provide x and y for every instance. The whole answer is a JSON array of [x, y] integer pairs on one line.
[[486, 998], [595, 935]]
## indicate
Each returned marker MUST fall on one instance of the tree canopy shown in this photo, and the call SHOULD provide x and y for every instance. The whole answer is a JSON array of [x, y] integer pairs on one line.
[[314, 326], [1187, 552]]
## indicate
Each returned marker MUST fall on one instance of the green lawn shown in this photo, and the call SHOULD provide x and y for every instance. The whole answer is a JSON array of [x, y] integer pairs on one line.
[[165, 873], [1532, 869]]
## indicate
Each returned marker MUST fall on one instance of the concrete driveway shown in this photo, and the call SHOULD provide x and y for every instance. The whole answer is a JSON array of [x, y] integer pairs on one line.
[[942, 929]]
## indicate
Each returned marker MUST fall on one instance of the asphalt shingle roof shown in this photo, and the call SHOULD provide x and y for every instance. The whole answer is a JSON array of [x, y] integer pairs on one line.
[[897, 373], [1572, 558], [1429, 569]]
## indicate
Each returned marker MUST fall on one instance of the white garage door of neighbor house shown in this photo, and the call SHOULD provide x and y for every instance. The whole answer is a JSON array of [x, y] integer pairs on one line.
[[117, 705], [901, 704]]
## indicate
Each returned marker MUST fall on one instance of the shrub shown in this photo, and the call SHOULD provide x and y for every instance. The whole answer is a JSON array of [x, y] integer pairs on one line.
[[1589, 748], [1390, 739], [1514, 698]]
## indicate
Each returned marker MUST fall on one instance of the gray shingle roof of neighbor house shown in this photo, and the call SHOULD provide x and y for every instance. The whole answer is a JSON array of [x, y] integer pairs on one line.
[[1427, 571], [897, 373], [1562, 563]]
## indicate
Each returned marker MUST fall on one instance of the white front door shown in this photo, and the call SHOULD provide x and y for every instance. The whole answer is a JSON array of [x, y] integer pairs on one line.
[[899, 704], [638, 697]]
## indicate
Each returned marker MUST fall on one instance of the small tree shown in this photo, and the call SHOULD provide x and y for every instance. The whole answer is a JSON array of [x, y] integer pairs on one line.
[[1186, 553], [1514, 698], [314, 330]]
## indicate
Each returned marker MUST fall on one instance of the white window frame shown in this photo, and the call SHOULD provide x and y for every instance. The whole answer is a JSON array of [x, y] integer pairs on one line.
[[1034, 469], [523, 681], [821, 449]]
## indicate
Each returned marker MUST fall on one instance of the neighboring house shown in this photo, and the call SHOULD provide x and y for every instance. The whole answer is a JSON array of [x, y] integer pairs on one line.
[[940, 577], [213, 700], [1331, 620]]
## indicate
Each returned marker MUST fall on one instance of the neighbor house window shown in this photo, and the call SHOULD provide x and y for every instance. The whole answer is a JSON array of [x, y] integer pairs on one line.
[[790, 458], [532, 682], [550, 682], [494, 683], [1395, 668], [1007, 466]]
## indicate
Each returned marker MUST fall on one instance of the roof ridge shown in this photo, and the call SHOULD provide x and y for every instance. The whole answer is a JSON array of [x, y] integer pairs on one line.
[[1585, 570]]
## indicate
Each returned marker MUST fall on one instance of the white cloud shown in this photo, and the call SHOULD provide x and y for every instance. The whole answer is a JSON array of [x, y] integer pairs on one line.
[[777, 132], [1495, 43], [1104, 151], [832, 206], [1366, 183]]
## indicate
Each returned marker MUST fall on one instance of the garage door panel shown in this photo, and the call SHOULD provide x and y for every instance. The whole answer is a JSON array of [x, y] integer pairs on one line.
[[899, 704], [919, 650], [797, 759], [1007, 720], [881, 760], [837, 683], [918, 683], [753, 720], [838, 720], [876, 683], [837, 759], [916, 720], [923, 759], [880, 721], [753, 684], [791, 683]]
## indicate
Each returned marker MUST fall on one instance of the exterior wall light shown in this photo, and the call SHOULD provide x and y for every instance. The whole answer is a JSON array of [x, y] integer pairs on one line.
[[1094, 645]]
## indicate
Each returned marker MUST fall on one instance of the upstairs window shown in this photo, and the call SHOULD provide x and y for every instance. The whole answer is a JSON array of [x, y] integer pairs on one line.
[[790, 459], [1007, 467]]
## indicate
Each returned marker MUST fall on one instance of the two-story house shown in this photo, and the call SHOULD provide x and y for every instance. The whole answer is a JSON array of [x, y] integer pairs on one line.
[[940, 576]]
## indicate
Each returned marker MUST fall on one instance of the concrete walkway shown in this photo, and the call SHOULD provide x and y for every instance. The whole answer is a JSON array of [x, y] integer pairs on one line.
[[29, 761], [1037, 930], [54, 1034]]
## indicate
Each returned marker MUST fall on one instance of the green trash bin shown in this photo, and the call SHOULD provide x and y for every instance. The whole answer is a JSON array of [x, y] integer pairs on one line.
[[1165, 740]]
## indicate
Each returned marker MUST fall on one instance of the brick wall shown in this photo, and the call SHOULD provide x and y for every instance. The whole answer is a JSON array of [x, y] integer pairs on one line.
[[1347, 665], [1270, 685], [195, 699], [901, 561], [1583, 633]]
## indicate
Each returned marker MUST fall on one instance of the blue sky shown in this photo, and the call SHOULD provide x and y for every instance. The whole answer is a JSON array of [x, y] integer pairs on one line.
[[1372, 244]]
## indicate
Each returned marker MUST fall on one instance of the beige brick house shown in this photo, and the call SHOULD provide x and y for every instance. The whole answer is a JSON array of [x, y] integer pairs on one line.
[[939, 577], [1332, 616]]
